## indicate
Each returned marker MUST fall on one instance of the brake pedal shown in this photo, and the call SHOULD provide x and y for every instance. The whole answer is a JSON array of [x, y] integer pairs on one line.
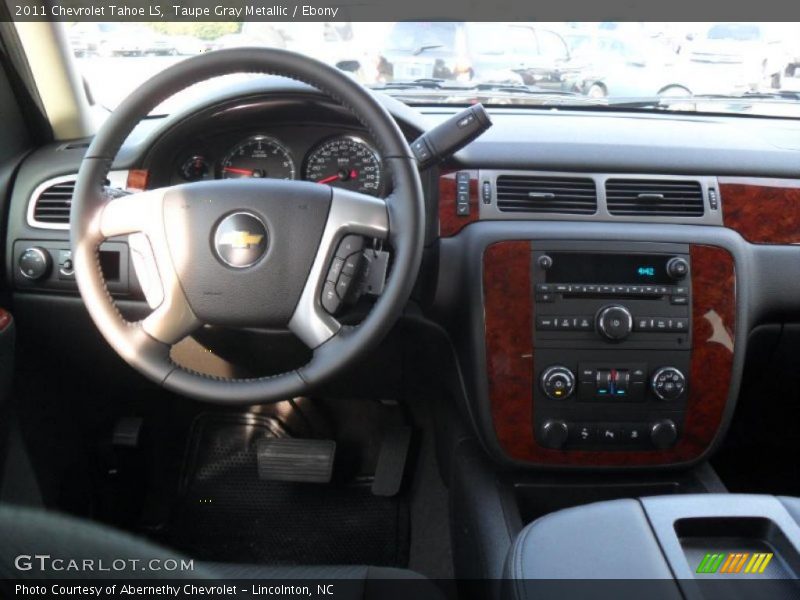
[[298, 460]]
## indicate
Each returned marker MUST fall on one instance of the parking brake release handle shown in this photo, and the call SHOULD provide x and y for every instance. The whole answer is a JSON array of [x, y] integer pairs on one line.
[[446, 139]]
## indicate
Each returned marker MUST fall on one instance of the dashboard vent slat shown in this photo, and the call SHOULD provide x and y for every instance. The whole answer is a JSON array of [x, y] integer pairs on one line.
[[53, 203], [550, 195], [654, 197]]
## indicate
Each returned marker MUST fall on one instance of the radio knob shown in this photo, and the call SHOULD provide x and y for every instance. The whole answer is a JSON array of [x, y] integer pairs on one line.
[[554, 433], [668, 383], [558, 382], [614, 322], [677, 267], [663, 434]]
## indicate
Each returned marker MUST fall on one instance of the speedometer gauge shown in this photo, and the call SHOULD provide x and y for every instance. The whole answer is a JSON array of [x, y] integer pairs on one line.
[[346, 162], [259, 156]]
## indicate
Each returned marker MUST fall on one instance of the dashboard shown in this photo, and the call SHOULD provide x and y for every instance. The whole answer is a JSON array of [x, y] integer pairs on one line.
[[540, 350]]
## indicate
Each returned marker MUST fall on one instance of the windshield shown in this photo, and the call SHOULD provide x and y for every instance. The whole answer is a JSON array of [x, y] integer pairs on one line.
[[718, 67]]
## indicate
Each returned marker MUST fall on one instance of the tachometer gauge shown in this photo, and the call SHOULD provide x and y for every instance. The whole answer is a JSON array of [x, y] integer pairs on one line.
[[346, 162], [259, 156]]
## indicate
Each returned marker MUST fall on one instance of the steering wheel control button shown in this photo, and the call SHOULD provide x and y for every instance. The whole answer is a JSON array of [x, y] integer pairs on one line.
[[350, 244], [34, 263], [558, 382], [352, 264], [677, 268], [335, 270], [240, 240], [614, 322], [668, 383], [343, 286], [330, 299]]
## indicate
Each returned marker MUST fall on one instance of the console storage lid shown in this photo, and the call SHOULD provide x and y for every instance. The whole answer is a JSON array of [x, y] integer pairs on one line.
[[689, 546]]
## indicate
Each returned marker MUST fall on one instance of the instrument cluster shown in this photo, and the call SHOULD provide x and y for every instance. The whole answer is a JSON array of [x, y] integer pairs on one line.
[[340, 159]]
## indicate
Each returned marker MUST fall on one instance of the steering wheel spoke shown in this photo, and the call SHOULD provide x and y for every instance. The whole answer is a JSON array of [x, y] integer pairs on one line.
[[131, 213], [351, 213], [139, 216]]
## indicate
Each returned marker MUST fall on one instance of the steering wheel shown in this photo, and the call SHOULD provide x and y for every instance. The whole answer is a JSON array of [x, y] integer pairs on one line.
[[245, 252]]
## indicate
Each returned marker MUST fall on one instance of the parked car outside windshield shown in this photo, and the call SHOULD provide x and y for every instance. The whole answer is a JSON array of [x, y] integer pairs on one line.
[[722, 67]]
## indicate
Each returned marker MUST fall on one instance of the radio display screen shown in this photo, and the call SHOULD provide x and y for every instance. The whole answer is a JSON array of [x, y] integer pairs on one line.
[[642, 269]]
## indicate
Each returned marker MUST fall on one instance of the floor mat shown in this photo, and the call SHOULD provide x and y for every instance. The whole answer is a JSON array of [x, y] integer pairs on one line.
[[226, 513]]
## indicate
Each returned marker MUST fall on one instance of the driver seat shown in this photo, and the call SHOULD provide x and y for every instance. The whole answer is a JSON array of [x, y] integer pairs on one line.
[[38, 545]]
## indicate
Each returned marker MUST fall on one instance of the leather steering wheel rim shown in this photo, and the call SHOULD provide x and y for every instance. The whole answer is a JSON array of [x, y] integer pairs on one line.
[[399, 219]]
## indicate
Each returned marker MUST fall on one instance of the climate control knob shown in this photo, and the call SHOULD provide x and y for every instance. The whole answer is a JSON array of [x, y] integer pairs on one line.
[[34, 263], [554, 433], [668, 383], [558, 382], [614, 322], [663, 434]]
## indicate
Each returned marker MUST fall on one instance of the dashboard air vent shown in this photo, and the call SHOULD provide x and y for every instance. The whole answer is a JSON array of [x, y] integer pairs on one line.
[[541, 194], [52, 205], [654, 197]]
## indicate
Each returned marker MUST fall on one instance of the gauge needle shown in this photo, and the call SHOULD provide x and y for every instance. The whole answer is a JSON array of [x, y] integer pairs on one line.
[[339, 176], [248, 172], [330, 179]]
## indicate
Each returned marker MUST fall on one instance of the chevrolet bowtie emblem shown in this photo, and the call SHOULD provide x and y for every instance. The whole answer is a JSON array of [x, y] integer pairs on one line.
[[240, 239]]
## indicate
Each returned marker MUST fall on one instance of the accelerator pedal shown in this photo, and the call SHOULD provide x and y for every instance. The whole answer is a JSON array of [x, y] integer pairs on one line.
[[392, 462], [292, 459]]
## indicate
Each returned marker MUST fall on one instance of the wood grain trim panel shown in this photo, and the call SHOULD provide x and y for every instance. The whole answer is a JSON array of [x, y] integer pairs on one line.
[[451, 223], [510, 353], [508, 314], [762, 211]]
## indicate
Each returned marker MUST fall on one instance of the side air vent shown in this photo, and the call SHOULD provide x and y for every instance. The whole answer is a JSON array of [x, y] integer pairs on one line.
[[654, 197], [51, 203], [535, 194]]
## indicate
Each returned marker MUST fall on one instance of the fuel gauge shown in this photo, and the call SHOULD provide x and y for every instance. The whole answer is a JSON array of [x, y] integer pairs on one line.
[[195, 168]]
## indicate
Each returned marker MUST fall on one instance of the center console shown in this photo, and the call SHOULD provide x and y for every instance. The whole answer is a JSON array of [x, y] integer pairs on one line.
[[599, 353], [613, 339]]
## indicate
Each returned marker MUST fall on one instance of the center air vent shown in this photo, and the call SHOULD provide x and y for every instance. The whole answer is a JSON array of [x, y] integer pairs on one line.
[[534, 194], [654, 197]]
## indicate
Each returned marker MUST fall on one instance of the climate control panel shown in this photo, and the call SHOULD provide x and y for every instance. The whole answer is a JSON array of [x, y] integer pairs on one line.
[[617, 404]]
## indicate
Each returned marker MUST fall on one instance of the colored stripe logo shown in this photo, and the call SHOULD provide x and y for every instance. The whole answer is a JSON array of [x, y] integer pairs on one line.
[[734, 563]]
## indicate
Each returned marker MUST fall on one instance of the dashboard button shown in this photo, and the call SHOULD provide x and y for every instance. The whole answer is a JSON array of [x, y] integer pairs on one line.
[[545, 323], [679, 300], [608, 434], [583, 433]]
